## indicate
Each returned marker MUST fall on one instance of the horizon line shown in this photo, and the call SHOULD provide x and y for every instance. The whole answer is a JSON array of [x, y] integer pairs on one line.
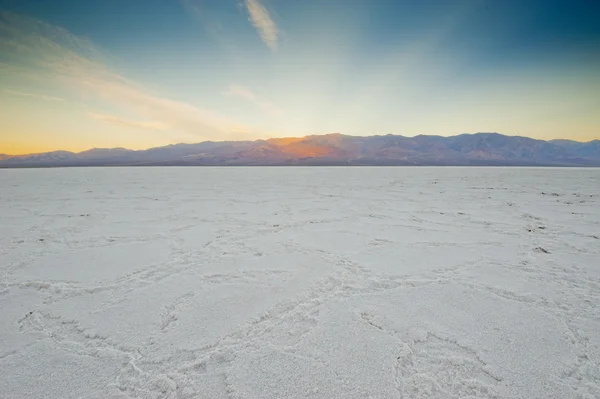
[[293, 137]]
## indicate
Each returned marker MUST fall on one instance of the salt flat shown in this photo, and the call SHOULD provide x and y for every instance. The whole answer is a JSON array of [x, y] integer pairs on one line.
[[300, 283]]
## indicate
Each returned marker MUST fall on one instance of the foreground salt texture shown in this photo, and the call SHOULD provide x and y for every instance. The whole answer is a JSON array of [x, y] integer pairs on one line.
[[300, 283]]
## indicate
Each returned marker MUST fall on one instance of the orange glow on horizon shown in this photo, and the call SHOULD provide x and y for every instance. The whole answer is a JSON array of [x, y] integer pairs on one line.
[[283, 141], [295, 146], [27, 147], [26, 144]]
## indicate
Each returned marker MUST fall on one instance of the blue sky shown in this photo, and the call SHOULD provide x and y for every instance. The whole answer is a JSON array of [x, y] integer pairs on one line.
[[133, 73]]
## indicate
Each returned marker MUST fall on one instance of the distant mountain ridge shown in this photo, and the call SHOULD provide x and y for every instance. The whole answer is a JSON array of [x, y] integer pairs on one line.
[[483, 149]]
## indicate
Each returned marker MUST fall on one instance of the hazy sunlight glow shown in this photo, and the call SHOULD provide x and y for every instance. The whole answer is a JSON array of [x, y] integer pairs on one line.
[[265, 69]]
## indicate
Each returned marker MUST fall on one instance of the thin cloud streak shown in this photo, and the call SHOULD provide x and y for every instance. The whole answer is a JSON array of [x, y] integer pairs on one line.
[[248, 95], [241, 92], [199, 11], [53, 54], [33, 95], [115, 120], [264, 24]]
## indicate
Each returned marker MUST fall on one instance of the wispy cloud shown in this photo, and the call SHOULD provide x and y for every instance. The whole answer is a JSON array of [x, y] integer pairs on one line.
[[42, 51], [33, 95], [248, 95], [115, 120], [264, 24], [204, 13], [241, 92]]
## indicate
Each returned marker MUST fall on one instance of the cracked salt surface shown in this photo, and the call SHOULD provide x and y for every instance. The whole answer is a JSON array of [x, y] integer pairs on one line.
[[212, 283]]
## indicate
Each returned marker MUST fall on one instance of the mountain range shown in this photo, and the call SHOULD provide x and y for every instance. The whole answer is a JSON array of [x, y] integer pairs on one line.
[[483, 149]]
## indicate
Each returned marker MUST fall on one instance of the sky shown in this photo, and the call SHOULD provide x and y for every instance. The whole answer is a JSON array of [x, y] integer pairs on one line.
[[79, 74]]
